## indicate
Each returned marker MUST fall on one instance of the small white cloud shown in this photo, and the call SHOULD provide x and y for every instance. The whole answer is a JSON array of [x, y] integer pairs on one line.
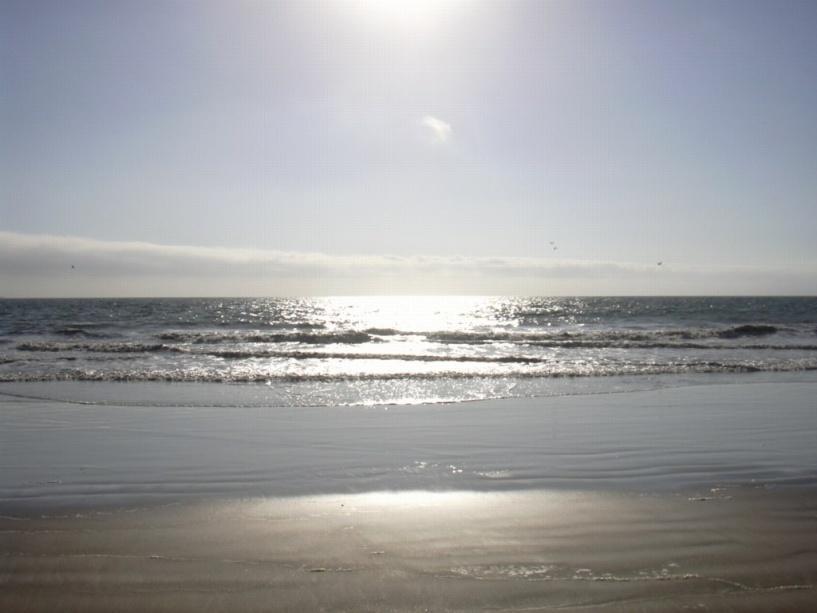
[[439, 130]]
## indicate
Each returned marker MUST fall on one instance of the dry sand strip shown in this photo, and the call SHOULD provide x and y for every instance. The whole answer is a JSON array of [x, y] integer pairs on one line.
[[740, 549]]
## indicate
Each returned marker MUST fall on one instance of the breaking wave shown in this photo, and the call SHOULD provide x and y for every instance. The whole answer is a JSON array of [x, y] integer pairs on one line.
[[350, 337], [205, 375], [95, 347], [474, 341]]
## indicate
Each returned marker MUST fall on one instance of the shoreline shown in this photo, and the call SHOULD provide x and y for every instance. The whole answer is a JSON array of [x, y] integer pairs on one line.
[[684, 498], [258, 394]]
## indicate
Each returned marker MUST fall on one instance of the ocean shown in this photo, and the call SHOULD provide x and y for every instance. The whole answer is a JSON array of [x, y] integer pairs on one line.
[[404, 350]]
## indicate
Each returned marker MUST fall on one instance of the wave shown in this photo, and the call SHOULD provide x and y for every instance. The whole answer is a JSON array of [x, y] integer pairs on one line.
[[608, 343], [409, 357], [385, 332], [747, 330], [670, 338], [96, 347], [353, 337], [659, 345], [77, 331], [348, 337], [600, 336], [199, 375], [498, 359]]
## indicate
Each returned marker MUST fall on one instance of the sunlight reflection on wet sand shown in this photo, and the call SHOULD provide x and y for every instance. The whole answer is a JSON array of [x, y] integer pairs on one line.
[[742, 549]]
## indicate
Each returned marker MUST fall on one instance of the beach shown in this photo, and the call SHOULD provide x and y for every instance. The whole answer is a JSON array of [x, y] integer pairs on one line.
[[694, 497], [408, 306]]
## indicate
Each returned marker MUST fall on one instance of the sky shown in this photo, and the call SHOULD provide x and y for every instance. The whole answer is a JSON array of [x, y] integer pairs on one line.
[[417, 146]]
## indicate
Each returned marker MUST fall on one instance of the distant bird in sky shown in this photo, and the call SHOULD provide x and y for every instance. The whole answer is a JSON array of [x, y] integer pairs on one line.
[[555, 247], [72, 267], [660, 263]]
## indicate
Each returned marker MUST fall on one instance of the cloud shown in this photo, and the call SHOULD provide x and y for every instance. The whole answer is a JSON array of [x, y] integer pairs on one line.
[[37, 254], [41, 265], [437, 129]]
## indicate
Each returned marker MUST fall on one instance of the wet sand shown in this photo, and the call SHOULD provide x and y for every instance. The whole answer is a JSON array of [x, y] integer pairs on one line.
[[697, 498], [748, 549]]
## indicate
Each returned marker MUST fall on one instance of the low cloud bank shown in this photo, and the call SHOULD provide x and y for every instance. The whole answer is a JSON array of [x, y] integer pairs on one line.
[[44, 265]]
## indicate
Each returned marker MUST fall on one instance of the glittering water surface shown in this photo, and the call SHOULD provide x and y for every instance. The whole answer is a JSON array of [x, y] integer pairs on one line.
[[403, 349]]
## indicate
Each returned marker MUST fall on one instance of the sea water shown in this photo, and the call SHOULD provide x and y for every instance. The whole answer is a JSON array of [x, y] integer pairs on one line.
[[399, 350]]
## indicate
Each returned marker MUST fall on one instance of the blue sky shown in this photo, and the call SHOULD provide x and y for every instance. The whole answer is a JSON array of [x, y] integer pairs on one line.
[[352, 132]]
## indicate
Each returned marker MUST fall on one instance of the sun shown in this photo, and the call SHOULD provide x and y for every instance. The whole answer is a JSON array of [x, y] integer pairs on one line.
[[417, 15]]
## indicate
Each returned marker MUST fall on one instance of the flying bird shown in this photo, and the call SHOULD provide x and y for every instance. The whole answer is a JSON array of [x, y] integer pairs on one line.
[[659, 263]]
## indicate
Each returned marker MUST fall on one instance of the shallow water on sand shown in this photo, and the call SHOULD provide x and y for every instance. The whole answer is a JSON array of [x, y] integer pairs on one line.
[[64, 454]]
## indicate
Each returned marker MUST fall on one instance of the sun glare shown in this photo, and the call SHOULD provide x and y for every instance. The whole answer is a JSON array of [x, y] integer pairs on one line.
[[417, 15]]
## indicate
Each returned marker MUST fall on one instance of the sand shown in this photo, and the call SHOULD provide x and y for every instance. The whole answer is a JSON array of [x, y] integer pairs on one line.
[[679, 499], [742, 550]]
